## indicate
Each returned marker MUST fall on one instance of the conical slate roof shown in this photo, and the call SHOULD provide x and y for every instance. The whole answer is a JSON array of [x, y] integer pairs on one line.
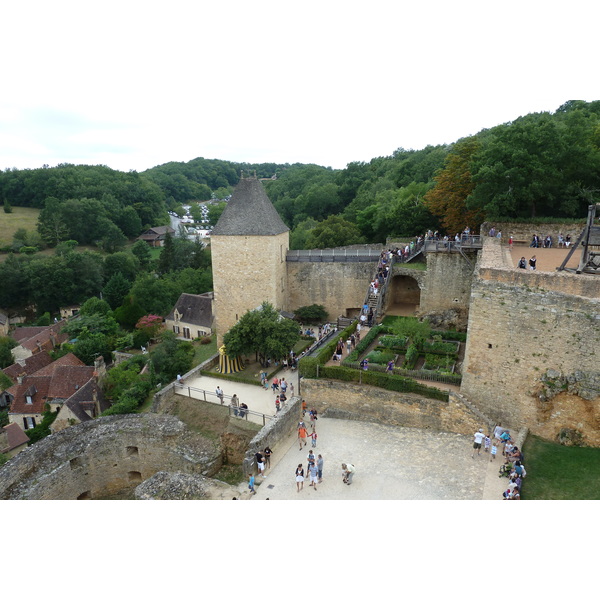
[[249, 212]]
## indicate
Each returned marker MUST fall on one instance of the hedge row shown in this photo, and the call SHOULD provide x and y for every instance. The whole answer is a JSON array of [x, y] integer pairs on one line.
[[393, 383]]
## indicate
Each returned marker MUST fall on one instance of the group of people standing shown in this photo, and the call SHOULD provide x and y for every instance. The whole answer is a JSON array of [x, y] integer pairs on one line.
[[522, 264]]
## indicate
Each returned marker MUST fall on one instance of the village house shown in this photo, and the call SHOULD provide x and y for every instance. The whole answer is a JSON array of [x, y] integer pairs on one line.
[[12, 440], [84, 405], [53, 384], [191, 316], [155, 236], [32, 340]]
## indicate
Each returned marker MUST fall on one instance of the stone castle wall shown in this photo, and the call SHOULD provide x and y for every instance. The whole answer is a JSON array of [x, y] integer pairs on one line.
[[531, 354], [526, 231], [447, 286], [104, 457], [339, 287], [247, 271], [368, 403]]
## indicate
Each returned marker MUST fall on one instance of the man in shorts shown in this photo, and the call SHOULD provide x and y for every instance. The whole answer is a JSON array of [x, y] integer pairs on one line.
[[477, 441]]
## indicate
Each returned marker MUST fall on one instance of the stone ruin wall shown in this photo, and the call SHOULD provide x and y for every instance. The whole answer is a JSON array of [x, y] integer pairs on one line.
[[531, 354], [105, 457]]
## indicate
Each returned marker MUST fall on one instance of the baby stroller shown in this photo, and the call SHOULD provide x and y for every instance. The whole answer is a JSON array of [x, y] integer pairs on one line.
[[505, 470]]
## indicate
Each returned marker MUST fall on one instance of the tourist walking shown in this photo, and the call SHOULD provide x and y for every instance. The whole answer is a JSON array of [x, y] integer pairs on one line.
[[219, 393], [302, 435], [235, 402], [299, 477], [314, 476], [267, 455], [251, 483], [320, 467], [477, 440]]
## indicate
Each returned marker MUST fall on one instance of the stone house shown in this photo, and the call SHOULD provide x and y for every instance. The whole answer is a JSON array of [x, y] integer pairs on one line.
[[54, 384], [155, 236], [192, 316], [12, 440], [84, 405], [38, 339]]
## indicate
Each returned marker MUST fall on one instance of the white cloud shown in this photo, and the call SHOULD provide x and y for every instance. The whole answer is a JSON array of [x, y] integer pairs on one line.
[[135, 84]]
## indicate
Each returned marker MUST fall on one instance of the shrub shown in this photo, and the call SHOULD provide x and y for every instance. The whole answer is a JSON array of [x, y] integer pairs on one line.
[[411, 356], [315, 313], [440, 347], [393, 341], [458, 336], [380, 358], [437, 361]]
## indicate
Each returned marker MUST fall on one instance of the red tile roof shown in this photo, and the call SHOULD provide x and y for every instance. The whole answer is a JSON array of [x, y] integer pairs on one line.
[[66, 380], [28, 366], [68, 360], [37, 387], [15, 437]]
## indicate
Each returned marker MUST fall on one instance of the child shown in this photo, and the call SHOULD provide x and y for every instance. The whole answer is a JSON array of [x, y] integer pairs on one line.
[[493, 452], [266, 384], [487, 443], [277, 404], [313, 438], [251, 484]]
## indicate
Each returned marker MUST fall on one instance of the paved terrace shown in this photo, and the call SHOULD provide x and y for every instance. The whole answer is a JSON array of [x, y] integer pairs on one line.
[[392, 463]]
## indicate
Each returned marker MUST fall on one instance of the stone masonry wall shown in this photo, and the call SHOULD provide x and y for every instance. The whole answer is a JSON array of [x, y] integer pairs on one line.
[[531, 333], [247, 271], [448, 282], [526, 231], [337, 286], [105, 456], [368, 403]]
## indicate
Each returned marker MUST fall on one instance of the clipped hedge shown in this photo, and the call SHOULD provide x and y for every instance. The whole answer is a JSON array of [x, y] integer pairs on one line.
[[232, 377], [457, 336], [440, 348], [365, 342], [411, 357], [382, 380], [393, 341]]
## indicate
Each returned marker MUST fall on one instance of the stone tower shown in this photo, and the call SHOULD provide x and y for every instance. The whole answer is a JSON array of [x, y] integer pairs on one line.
[[248, 246]]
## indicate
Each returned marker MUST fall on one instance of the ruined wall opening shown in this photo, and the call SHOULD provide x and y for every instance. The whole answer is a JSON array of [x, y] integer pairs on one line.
[[132, 451], [85, 496], [404, 296], [134, 477]]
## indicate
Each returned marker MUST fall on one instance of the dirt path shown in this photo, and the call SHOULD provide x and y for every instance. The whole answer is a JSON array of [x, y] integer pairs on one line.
[[548, 259]]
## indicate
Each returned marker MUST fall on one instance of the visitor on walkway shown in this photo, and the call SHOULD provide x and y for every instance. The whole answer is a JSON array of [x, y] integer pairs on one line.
[[320, 467], [260, 463], [251, 483], [302, 435], [299, 477], [493, 451], [277, 404], [234, 404], [243, 410], [313, 438], [314, 476], [219, 393], [267, 455], [348, 471], [311, 459], [477, 440]]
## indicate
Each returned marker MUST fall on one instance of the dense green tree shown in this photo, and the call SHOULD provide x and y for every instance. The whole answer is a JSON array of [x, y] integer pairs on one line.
[[215, 210], [128, 314], [314, 313], [6, 357], [122, 262], [156, 296], [142, 252], [262, 332], [171, 357], [116, 289], [95, 306], [333, 232], [299, 235], [166, 260]]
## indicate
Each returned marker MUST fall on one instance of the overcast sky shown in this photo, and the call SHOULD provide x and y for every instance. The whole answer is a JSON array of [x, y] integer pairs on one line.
[[135, 84]]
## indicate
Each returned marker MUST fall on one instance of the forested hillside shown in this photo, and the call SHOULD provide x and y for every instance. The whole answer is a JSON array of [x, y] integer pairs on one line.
[[539, 165]]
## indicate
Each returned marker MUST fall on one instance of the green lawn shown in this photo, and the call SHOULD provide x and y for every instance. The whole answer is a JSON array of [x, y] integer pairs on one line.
[[556, 472], [204, 351], [20, 217]]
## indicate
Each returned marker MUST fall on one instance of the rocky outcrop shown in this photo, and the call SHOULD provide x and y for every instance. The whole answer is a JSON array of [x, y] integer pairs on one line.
[[182, 486]]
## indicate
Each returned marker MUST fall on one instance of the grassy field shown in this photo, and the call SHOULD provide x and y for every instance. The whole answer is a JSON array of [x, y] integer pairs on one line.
[[556, 472], [25, 218]]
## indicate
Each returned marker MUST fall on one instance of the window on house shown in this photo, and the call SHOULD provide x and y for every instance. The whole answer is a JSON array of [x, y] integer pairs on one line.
[[29, 422], [186, 333], [28, 400], [176, 329]]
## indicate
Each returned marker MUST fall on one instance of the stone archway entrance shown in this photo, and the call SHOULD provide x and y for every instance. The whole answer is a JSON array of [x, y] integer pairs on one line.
[[404, 296]]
